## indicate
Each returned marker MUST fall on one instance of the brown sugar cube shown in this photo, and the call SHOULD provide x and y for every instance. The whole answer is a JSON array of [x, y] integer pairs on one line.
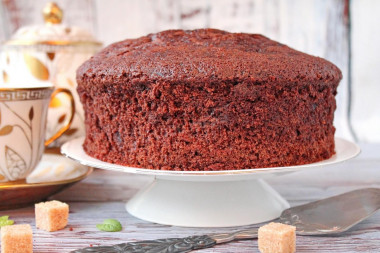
[[17, 239], [51, 215], [277, 238]]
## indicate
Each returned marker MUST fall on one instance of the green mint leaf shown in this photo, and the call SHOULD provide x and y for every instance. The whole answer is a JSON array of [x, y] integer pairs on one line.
[[5, 217], [110, 225], [112, 222], [6, 222]]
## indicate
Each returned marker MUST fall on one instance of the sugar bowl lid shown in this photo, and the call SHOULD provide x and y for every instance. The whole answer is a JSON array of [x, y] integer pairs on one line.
[[53, 32]]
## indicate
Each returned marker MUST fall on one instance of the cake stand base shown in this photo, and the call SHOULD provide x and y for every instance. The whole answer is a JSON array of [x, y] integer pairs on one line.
[[207, 204]]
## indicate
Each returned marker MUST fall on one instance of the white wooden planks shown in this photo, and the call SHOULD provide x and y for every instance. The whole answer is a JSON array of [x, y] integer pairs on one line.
[[365, 69], [17, 13]]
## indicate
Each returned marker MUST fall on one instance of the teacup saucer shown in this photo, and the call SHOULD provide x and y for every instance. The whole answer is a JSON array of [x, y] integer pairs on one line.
[[20, 193]]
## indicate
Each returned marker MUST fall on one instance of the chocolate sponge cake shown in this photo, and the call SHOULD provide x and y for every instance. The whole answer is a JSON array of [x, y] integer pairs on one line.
[[207, 100]]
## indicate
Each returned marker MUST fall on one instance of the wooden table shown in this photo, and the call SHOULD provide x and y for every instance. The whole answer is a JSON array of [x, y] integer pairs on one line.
[[103, 194]]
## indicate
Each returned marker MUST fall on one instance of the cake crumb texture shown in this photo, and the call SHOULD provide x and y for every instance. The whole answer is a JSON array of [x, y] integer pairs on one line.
[[206, 100], [277, 238], [17, 239], [51, 215]]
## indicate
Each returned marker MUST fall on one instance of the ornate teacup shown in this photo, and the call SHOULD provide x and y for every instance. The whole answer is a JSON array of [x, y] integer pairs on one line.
[[23, 113]]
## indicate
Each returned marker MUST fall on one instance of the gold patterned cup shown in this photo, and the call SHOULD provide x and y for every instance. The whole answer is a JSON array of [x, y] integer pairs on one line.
[[23, 113]]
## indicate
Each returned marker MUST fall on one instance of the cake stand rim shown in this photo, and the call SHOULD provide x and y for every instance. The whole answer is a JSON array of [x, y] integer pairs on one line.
[[73, 149]]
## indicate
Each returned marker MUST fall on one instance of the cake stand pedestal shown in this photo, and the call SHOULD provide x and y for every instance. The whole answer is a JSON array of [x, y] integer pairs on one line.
[[208, 198], [207, 203]]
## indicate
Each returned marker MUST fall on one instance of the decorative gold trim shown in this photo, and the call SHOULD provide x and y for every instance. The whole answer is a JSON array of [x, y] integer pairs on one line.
[[5, 77], [52, 43], [36, 67], [25, 94], [26, 88], [23, 184], [66, 127], [52, 13]]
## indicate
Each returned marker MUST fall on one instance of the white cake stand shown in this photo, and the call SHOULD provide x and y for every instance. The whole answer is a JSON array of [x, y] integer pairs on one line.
[[210, 198]]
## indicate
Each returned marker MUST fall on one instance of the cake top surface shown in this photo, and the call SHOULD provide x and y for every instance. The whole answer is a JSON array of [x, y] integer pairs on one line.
[[178, 55]]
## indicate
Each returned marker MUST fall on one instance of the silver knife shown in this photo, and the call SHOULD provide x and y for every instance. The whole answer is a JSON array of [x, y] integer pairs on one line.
[[328, 216]]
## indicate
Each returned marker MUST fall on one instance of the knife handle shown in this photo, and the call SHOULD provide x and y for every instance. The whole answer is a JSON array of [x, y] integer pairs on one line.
[[238, 235], [173, 245], [169, 245]]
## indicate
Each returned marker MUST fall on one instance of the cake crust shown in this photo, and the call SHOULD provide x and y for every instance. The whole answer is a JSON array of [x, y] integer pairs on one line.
[[207, 100]]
